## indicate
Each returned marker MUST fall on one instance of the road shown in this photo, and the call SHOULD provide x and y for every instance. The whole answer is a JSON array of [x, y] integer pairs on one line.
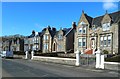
[[29, 68]]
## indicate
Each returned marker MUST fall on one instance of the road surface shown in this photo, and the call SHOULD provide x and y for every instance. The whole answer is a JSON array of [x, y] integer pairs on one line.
[[30, 68]]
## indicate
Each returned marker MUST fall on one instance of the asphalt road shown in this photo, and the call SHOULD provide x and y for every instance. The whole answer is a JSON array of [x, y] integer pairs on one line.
[[29, 68]]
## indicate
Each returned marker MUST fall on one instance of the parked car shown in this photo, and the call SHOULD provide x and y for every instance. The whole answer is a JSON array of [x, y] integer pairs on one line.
[[6, 54]]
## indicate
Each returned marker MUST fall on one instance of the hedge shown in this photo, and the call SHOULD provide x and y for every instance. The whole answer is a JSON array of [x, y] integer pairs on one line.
[[113, 59], [18, 53]]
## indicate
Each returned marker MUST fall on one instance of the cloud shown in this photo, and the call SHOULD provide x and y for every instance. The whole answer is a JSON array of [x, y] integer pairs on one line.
[[109, 5]]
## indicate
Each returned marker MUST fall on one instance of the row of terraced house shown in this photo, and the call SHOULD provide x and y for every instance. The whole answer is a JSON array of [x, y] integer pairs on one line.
[[86, 36]]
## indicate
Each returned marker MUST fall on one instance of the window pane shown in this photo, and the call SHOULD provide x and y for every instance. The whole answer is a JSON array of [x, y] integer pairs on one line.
[[80, 42], [105, 38], [84, 30], [109, 40], [101, 43], [101, 38], [80, 30], [83, 43], [84, 40]]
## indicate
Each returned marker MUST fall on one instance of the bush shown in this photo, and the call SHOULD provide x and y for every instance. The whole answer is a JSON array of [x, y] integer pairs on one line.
[[113, 59], [18, 53], [46, 54], [105, 52]]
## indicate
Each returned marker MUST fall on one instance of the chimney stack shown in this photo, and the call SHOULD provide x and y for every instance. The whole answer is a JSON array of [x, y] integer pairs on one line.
[[53, 29], [74, 25]]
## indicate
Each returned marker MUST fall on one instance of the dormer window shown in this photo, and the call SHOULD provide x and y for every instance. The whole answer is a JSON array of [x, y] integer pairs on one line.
[[59, 36], [106, 26]]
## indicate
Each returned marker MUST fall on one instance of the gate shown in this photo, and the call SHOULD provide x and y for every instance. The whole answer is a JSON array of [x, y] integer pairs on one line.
[[87, 60]]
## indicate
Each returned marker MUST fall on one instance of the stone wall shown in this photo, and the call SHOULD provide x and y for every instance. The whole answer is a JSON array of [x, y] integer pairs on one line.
[[67, 61], [112, 66]]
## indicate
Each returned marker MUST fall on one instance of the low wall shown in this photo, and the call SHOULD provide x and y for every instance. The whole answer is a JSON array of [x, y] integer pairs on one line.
[[19, 56], [66, 55], [112, 66], [67, 61]]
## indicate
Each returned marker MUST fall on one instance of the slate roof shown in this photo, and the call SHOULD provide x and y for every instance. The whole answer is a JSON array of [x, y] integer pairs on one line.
[[89, 18], [56, 33], [114, 16], [66, 30], [97, 21], [32, 35], [43, 31], [52, 32]]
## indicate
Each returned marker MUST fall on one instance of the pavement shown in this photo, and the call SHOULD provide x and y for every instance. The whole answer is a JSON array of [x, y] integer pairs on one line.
[[30, 68]]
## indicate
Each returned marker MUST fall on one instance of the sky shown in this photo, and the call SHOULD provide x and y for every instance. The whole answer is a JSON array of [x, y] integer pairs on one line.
[[23, 17]]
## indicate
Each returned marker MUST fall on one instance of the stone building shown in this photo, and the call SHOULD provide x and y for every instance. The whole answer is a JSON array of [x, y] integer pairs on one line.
[[33, 42], [101, 31], [64, 40], [13, 44], [47, 39]]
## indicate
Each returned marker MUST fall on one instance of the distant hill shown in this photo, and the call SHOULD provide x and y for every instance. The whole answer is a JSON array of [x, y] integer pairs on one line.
[[3, 38]]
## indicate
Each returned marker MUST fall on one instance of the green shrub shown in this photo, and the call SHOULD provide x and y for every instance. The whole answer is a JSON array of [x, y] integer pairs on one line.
[[105, 52], [113, 59], [18, 53]]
